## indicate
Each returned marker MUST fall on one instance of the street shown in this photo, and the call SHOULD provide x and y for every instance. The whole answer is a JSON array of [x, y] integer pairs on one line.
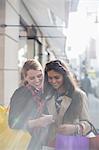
[[94, 110]]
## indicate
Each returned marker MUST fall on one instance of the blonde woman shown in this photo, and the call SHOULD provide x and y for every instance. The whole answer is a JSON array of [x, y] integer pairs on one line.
[[26, 105]]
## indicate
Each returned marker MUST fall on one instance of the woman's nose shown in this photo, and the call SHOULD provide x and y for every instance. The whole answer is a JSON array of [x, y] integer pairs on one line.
[[36, 79], [53, 80]]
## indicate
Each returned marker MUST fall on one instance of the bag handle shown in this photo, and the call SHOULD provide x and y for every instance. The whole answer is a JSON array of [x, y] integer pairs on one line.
[[93, 129]]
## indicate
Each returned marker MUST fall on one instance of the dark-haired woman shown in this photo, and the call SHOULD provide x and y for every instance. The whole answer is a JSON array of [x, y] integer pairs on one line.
[[65, 101]]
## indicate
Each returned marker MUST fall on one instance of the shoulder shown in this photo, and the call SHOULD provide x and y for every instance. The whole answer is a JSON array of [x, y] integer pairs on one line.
[[21, 88], [79, 93], [21, 92]]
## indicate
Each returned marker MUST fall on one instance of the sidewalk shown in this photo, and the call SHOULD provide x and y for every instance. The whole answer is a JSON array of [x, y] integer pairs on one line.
[[94, 109]]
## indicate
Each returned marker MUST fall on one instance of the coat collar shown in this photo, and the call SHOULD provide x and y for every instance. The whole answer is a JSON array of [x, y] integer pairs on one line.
[[64, 106]]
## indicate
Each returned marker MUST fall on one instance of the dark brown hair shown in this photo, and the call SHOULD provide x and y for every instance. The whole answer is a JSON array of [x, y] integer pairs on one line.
[[62, 68]]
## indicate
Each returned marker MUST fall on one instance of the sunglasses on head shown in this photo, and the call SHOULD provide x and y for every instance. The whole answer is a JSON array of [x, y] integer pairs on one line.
[[55, 62], [57, 66]]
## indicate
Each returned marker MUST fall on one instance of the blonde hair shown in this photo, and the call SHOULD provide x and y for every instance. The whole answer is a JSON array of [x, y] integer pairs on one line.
[[29, 64]]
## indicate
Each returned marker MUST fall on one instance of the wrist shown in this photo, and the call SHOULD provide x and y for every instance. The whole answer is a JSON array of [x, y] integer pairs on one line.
[[78, 129], [32, 123]]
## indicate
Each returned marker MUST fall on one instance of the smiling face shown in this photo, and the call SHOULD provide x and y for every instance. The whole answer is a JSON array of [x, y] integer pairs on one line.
[[34, 78], [56, 80]]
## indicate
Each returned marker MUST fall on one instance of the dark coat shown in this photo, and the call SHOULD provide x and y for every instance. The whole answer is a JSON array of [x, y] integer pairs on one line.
[[86, 85], [23, 107]]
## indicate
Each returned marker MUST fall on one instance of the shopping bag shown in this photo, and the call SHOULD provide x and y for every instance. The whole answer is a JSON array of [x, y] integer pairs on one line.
[[11, 139], [93, 137], [94, 143], [78, 142], [3, 119]]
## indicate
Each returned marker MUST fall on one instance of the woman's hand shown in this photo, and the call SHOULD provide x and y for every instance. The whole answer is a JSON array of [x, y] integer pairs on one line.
[[67, 129], [41, 122], [47, 119]]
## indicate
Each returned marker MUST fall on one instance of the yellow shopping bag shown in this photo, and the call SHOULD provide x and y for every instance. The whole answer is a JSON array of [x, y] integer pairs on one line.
[[11, 139], [3, 118]]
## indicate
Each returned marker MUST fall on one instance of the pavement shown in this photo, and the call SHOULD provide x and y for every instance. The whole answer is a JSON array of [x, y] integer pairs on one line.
[[94, 110]]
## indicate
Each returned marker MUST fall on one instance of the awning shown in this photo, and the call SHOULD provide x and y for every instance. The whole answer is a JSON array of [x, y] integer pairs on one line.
[[51, 16]]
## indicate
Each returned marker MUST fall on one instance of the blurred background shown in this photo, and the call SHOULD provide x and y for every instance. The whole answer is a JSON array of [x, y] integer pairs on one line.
[[46, 30]]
